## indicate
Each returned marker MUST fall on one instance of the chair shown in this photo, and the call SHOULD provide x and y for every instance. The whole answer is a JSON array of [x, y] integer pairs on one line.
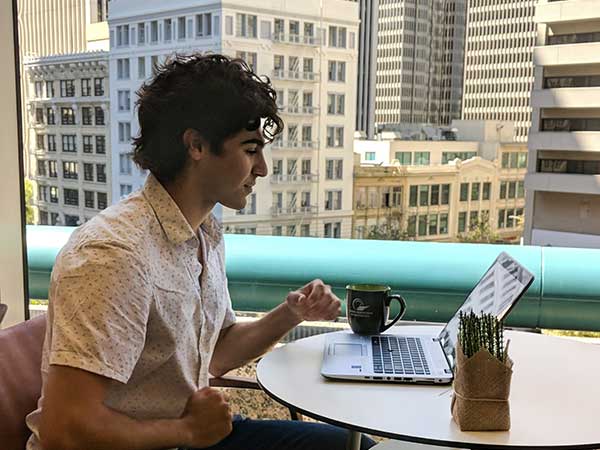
[[21, 381], [3, 309]]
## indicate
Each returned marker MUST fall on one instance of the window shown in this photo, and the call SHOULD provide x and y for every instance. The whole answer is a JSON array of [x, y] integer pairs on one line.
[[181, 29], [70, 170], [71, 197], [245, 25], [250, 58], [513, 160], [51, 142], [473, 219], [125, 164], [305, 230], [422, 230], [50, 116], [333, 200], [54, 218], [404, 158], [445, 194], [505, 157], [39, 89], [204, 25], [86, 115], [334, 169], [435, 194], [443, 224], [99, 116], [422, 158], [332, 230], [336, 104], [154, 31], [335, 136], [67, 88], [336, 71], [39, 142], [67, 116], [464, 192], [503, 189], [98, 87], [42, 167], [337, 37], [123, 72], [433, 224], [101, 200], [141, 33], [100, 145], [53, 194], [124, 98], [101, 173], [124, 132], [39, 116], [277, 230], [512, 189], [501, 218], [88, 146], [49, 89], [43, 217], [89, 199], [125, 189], [122, 34], [462, 221], [88, 172], [423, 195], [522, 160], [250, 206], [475, 191], [520, 189], [369, 156], [141, 67], [413, 196], [52, 169], [487, 188], [68, 143]]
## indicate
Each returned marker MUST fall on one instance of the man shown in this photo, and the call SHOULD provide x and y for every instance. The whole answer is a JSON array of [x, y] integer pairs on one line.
[[139, 308]]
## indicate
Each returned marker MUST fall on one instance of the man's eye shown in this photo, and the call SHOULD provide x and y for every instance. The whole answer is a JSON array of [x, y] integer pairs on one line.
[[251, 150]]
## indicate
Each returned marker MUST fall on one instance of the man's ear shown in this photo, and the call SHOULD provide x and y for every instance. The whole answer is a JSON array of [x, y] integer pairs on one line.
[[195, 144]]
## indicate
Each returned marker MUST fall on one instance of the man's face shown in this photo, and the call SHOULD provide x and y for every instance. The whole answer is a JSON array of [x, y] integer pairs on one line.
[[229, 177]]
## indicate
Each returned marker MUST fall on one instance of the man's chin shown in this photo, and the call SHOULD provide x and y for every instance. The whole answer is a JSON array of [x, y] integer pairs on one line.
[[235, 204]]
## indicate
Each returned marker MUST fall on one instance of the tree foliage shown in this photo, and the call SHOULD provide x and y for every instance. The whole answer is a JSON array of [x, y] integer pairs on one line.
[[480, 232], [28, 202]]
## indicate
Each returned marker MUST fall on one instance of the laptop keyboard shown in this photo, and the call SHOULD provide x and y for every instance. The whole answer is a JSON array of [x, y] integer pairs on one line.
[[399, 355]]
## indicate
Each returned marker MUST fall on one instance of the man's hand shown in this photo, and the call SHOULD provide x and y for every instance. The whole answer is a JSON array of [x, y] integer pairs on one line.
[[207, 418], [314, 301]]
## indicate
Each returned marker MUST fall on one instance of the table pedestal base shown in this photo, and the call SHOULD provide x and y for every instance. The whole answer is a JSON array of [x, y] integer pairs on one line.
[[354, 440]]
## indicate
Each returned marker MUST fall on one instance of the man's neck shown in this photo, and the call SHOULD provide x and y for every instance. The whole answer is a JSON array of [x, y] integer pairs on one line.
[[194, 208]]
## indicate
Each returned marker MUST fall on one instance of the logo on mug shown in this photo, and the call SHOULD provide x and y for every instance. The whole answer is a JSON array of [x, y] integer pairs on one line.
[[358, 305]]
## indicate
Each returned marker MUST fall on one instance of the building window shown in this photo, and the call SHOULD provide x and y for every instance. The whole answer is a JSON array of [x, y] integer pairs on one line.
[[337, 37], [475, 191], [53, 194], [336, 104], [100, 145], [86, 87], [333, 200], [503, 189], [487, 189], [464, 192], [70, 170], [54, 218], [51, 143], [332, 230], [88, 146], [67, 116], [181, 29], [99, 116], [462, 221], [204, 25], [67, 88], [88, 172], [39, 116], [443, 224], [71, 197], [250, 206], [250, 58], [141, 67], [422, 158], [42, 167], [335, 136], [52, 169], [168, 30], [98, 87], [86, 115], [124, 132], [125, 164], [305, 230], [125, 189], [123, 72], [39, 89], [141, 33], [50, 116], [43, 217], [245, 25], [423, 195], [39, 142], [89, 199], [404, 158], [154, 31], [102, 200], [69, 144], [101, 173], [122, 33], [334, 168], [49, 89], [413, 196], [445, 194], [370, 156], [124, 98], [451, 156], [336, 71]]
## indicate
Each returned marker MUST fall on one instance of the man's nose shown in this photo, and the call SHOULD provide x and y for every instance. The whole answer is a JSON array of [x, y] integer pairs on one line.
[[261, 169]]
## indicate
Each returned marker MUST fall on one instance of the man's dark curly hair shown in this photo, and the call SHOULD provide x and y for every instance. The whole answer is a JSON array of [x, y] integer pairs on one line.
[[212, 94]]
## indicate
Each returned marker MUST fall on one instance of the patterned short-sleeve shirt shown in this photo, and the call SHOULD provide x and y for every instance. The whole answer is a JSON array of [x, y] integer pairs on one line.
[[138, 296]]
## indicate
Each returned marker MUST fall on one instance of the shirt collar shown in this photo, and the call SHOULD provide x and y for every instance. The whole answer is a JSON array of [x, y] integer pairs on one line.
[[170, 217]]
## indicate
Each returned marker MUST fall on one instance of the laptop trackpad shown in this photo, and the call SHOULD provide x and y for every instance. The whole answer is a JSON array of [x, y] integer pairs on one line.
[[347, 349]]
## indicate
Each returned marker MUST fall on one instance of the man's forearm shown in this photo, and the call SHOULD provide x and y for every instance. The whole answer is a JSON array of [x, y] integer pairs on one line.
[[244, 342]]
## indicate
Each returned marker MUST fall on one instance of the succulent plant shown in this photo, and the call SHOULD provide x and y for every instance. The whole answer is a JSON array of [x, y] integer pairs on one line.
[[481, 331]]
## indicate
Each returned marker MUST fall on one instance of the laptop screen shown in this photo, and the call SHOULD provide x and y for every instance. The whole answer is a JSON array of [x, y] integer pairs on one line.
[[496, 293]]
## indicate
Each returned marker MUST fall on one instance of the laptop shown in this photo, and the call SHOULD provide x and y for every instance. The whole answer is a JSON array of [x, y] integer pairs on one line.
[[423, 358]]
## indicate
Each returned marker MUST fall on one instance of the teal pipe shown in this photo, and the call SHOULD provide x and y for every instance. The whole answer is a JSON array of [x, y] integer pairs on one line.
[[434, 278]]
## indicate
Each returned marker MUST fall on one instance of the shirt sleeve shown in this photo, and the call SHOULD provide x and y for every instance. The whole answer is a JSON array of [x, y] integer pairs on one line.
[[100, 301], [229, 318]]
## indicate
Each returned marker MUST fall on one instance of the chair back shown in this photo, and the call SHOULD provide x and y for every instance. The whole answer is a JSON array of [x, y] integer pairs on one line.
[[20, 379]]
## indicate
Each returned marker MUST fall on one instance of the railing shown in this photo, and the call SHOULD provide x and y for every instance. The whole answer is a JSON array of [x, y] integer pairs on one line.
[[295, 178], [303, 145], [292, 210], [300, 110], [286, 38], [280, 74], [433, 277]]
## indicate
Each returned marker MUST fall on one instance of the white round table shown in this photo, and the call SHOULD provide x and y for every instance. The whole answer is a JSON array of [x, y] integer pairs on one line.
[[554, 400]]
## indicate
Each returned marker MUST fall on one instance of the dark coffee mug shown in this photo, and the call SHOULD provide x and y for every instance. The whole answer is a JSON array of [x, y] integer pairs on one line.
[[368, 308]]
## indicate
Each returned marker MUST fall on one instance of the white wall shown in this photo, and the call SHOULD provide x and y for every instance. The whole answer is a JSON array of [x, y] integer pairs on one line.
[[12, 284]]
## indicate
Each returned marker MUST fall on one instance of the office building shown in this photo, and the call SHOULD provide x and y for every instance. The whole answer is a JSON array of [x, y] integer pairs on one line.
[[563, 194], [499, 63], [367, 67], [438, 190], [308, 49]]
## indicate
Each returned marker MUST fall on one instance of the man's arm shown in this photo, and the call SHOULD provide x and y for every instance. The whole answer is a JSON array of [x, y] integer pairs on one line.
[[243, 342], [75, 417]]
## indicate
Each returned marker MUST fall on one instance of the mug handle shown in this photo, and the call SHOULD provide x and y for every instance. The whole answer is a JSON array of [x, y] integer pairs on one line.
[[400, 314]]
